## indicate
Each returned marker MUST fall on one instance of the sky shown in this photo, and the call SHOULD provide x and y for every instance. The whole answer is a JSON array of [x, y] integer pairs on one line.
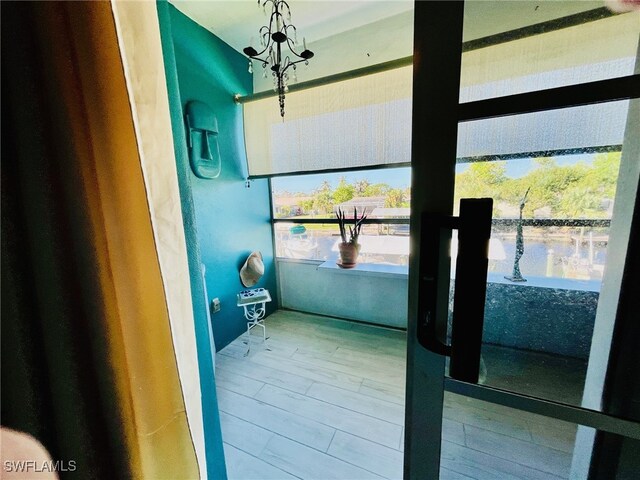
[[401, 177]]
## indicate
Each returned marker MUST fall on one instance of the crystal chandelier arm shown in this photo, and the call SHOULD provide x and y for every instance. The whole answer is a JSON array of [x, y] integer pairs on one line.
[[302, 59], [283, 3], [286, 63], [289, 63], [291, 44], [252, 53], [265, 33], [264, 3], [306, 54]]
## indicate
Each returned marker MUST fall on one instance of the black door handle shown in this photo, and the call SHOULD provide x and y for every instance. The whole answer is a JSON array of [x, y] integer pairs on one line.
[[474, 231], [471, 288], [428, 308]]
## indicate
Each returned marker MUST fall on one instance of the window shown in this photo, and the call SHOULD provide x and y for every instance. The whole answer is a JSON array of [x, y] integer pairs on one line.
[[304, 209], [568, 157], [566, 216]]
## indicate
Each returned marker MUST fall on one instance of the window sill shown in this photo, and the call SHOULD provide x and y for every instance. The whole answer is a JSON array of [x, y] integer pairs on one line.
[[402, 272], [369, 269]]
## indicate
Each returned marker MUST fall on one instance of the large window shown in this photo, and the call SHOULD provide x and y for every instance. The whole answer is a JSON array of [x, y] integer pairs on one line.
[[568, 158], [566, 216], [304, 207]]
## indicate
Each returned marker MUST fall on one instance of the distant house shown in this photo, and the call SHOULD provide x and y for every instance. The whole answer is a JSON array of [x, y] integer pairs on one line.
[[289, 206], [360, 204], [383, 212]]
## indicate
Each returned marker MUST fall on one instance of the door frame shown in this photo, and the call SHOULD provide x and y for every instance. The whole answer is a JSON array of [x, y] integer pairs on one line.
[[436, 113]]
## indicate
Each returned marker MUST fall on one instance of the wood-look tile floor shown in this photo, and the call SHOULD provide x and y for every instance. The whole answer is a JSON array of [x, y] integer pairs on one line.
[[324, 399]]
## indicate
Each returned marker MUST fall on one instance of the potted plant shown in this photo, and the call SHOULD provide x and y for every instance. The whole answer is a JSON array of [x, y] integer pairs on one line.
[[349, 247]]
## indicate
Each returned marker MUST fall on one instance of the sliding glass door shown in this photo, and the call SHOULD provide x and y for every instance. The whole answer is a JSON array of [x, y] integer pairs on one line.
[[522, 340]]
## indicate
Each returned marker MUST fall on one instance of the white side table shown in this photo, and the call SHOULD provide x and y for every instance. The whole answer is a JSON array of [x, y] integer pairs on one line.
[[254, 303]]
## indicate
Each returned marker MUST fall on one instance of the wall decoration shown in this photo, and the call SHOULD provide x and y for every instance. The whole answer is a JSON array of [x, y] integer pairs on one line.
[[202, 140]]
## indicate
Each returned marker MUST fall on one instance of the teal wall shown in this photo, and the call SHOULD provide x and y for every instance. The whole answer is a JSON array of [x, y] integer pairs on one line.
[[223, 220], [215, 467], [231, 219]]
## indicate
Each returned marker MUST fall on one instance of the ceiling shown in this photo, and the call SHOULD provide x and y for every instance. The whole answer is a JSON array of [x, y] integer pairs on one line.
[[237, 21], [358, 33]]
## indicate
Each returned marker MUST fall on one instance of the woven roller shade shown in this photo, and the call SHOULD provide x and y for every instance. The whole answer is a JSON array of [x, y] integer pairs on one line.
[[366, 121]]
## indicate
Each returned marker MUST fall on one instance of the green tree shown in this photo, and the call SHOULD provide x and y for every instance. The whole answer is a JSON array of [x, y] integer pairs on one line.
[[343, 192], [603, 176], [376, 190], [323, 198], [545, 162], [394, 198], [481, 179], [549, 185], [577, 201], [407, 198], [570, 191], [586, 195], [360, 186], [306, 205]]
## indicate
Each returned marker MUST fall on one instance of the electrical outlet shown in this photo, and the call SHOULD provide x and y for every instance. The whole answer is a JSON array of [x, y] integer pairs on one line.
[[215, 305]]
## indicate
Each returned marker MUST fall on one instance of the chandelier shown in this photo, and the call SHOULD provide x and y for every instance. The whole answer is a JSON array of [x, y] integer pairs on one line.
[[273, 38]]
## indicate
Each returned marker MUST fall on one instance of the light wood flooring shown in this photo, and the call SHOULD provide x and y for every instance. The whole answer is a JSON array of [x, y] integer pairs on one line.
[[324, 399]]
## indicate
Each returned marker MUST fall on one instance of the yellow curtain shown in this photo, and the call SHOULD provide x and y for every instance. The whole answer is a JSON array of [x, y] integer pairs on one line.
[[108, 392]]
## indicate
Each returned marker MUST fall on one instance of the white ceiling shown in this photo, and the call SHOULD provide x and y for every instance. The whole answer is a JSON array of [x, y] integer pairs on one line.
[[237, 21], [350, 34]]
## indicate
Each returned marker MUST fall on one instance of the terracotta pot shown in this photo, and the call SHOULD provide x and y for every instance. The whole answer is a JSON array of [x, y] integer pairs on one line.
[[349, 253]]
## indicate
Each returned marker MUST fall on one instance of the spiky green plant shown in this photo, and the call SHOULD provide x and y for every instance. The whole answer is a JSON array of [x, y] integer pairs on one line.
[[343, 224]]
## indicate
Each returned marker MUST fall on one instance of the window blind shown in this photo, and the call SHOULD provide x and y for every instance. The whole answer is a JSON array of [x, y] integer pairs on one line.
[[366, 121], [359, 122]]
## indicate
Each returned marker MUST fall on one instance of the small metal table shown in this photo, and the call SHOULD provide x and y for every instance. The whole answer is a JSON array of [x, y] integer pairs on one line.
[[254, 304]]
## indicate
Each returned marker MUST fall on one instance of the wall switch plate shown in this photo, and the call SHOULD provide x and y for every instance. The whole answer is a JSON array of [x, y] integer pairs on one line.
[[215, 305]]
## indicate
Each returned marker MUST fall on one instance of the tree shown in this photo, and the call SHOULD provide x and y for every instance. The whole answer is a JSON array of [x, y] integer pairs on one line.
[[394, 198], [360, 186], [570, 191], [549, 185], [323, 198], [376, 190], [586, 196], [306, 205], [343, 192], [603, 176], [545, 162], [406, 203], [287, 211], [481, 179]]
